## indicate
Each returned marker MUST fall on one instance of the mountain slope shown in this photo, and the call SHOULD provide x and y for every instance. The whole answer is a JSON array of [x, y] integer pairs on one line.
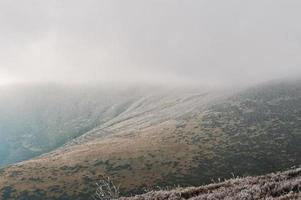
[[38, 119], [169, 140]]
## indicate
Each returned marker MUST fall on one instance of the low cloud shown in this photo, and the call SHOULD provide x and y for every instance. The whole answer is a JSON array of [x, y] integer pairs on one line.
[[205, 42]]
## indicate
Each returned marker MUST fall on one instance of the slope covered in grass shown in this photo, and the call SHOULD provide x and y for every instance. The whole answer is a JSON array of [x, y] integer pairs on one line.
[[186, 138]]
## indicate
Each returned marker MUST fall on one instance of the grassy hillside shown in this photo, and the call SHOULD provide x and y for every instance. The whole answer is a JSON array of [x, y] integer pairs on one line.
[[170, 140], [276, 186]]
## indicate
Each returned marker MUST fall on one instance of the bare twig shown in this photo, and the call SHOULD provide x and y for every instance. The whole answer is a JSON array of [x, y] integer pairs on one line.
[[106, 190]]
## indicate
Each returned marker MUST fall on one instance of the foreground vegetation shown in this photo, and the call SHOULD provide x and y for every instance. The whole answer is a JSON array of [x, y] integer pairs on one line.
[[276, 186]]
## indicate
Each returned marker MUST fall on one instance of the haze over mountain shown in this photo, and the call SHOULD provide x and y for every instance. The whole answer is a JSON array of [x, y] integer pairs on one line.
[[38, 119], [150, 93]]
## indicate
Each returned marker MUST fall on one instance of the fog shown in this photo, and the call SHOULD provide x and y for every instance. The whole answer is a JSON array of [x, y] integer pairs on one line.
[[203, 42]]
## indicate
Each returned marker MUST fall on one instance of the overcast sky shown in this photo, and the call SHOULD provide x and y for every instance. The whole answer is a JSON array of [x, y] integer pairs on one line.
[[153, 41]]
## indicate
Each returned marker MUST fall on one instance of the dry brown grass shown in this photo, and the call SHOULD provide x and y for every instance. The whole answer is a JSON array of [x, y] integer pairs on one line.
[[278, 186], [67, 168]]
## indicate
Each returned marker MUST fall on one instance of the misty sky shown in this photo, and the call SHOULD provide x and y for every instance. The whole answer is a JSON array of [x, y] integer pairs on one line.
[[153, 41]]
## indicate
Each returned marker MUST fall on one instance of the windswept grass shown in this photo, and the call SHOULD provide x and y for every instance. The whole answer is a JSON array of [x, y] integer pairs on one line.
[[276, 186]]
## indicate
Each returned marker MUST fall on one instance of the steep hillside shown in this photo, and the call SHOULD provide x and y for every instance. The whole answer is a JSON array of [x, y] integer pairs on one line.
[[276, 186], [38, 119], [170, 139]]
